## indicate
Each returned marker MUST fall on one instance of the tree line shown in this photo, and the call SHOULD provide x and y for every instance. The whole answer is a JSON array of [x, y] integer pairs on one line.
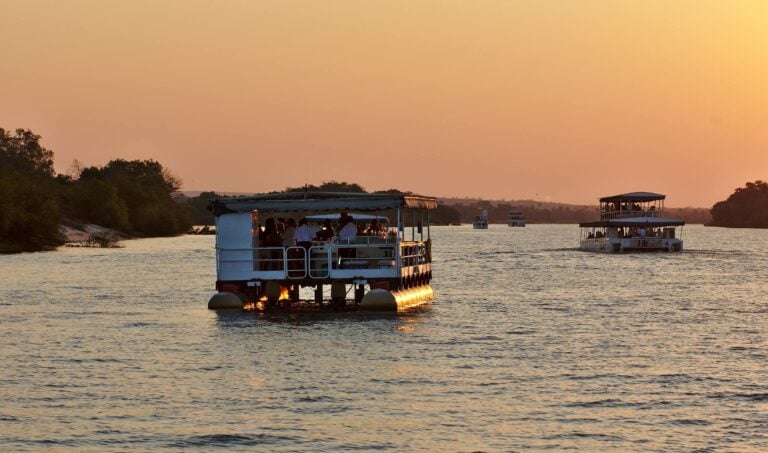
[[544, 212], [454, 211], [132, 196], [197, 206], [746, 207]]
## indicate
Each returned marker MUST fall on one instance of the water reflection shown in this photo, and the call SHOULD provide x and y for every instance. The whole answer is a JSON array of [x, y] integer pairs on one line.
[[530, 344]]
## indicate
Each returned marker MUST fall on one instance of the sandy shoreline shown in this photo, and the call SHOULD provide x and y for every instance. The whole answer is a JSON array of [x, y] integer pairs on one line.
[[87, 232]]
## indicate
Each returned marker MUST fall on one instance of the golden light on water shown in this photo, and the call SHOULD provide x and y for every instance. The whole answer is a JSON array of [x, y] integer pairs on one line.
[[411, 298]]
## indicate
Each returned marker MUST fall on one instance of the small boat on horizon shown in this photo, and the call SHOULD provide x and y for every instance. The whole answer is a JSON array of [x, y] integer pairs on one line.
[[631, 222], [516, 219], [481, 221]]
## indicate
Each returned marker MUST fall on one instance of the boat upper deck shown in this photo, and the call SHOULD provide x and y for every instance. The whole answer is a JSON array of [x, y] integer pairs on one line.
[[632, 205]]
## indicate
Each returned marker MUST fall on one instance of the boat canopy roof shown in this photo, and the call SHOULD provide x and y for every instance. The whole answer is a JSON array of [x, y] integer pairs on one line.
[[651, 222], [633, 196], [320, 202], [365, 218]]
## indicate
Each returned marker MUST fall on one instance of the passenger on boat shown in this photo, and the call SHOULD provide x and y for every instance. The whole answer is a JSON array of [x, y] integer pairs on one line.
[[641, 232], [374, 229], [289, 230], [342, 221], [348, 230], [289, 233], [590, 235], [326, 232], [346, 234], [271, 238], [303, 235]]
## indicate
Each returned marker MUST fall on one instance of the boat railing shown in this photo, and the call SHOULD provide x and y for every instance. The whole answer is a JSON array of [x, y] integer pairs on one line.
[[643, 243], [623, 214], [324, 259], [594, 240], [630, 242]]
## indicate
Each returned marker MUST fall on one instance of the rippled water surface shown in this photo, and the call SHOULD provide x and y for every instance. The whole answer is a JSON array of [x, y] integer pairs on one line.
[[530, 344]]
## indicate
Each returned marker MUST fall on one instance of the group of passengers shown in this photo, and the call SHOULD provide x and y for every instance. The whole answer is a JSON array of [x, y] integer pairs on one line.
[[286, 233], [632, 232], [628, 207]]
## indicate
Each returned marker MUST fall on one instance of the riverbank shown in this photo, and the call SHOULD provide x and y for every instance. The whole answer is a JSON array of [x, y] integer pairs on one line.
[[90, 235]]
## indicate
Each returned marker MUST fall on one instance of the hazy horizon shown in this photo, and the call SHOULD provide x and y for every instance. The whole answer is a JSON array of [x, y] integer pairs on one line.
[[194, 193], [551, 101]]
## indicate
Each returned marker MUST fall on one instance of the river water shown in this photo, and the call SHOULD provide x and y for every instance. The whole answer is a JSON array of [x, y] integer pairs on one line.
[[530, 344]]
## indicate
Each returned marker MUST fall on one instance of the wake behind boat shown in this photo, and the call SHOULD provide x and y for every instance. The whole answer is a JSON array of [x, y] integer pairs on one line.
[[631, 222]]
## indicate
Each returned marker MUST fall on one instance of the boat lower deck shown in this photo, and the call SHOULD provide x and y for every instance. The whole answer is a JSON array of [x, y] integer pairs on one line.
[[631, 245], [274, 297]]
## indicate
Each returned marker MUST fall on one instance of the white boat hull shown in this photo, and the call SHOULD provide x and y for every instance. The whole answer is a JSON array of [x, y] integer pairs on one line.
[[627, 245]]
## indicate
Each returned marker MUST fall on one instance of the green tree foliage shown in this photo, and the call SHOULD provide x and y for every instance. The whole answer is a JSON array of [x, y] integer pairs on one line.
[[746, 207], [29, 211], [23, 153], [133, 196], [29, 214], [328, 186], [444, 215], [197, 208], [97, 201], [145, 188]]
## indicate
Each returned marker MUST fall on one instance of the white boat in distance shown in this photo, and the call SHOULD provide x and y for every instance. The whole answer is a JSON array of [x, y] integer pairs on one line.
[[481, 221], [516, 219], [631, 222]]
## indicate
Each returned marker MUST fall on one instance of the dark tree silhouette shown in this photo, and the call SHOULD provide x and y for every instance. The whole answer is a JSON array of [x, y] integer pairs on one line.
[[746, 207]]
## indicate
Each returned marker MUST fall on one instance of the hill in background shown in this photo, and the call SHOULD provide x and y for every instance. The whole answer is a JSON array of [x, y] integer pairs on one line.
[[552, 212]]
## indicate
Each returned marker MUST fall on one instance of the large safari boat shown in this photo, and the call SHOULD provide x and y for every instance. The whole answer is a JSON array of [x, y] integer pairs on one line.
[[481, 221], [383, 265], [516, 219], [632, 222]]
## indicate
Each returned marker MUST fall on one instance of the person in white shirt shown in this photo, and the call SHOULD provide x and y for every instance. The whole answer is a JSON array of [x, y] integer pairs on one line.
[[347, 232], [303, 234]]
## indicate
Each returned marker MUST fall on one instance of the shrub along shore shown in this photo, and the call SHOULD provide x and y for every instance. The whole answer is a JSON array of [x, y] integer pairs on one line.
[[132, 197]]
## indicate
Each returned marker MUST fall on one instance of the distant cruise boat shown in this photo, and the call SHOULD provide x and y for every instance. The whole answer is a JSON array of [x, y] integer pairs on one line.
[[631, 222], [516, 219], [481, 221]]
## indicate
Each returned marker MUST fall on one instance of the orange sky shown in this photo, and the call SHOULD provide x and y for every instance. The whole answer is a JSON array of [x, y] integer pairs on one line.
[[553, 100]]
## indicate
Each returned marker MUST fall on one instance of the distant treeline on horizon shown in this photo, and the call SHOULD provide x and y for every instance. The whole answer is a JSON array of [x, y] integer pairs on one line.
[[452, 211], [142, 198]]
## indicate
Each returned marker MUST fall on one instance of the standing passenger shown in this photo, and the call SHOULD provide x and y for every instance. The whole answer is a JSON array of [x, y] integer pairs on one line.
[[326, 232], [303, 234], [288, 234], [346, 234]]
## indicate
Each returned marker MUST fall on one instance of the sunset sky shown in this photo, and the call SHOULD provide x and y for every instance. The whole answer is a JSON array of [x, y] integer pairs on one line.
[[552, 100]]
